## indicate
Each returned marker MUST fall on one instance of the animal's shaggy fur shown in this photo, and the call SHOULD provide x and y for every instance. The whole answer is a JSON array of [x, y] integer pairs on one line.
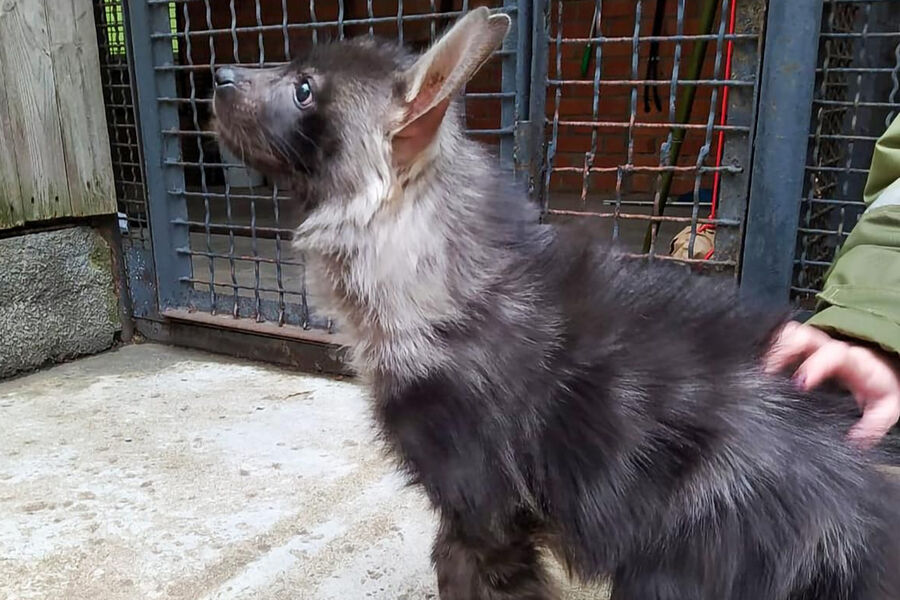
[[542, 390]]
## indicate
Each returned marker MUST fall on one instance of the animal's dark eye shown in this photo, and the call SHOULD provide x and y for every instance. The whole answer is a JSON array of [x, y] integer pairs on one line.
[[303, 94]]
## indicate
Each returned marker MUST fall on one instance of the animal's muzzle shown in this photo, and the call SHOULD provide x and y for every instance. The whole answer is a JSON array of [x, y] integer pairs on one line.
[[225, 76]]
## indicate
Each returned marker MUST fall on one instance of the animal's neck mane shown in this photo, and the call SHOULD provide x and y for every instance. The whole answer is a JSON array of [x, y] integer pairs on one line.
[[405, 256]]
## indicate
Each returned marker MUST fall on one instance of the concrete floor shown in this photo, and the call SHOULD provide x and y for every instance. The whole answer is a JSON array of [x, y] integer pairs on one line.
[[155, 472]]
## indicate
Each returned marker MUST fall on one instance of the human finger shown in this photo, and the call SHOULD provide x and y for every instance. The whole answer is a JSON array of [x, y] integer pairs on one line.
[[795, 342]]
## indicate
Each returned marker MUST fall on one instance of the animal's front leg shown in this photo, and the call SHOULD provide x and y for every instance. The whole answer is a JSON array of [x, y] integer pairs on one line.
[[488, 566]]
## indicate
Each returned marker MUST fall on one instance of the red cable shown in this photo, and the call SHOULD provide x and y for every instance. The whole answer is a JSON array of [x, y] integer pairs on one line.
[[723, 120]]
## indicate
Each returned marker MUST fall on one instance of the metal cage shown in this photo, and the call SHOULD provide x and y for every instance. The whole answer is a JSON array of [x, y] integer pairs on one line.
[[221, 231], [857, 95], [732, 136]]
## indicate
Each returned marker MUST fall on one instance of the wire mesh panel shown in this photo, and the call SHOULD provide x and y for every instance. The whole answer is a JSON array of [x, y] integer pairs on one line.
[[225, 227], [127, 156], [650, 109], [857, 94], [131, 196]]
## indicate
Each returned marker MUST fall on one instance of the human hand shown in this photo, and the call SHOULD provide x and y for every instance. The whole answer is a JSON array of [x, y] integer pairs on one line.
[[871, 377]]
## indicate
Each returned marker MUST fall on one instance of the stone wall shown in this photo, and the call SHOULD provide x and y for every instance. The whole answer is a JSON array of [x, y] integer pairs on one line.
[[57, 298]]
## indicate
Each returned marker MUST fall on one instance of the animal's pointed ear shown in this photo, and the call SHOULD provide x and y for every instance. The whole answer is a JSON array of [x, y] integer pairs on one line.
[[430, 84]]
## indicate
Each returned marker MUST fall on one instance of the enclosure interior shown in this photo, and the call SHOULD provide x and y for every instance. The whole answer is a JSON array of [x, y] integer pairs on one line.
[[649, 122]]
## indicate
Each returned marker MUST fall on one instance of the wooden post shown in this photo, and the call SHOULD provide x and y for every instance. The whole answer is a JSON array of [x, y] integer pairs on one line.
[[82, 118], [52, 118], [12, 212]]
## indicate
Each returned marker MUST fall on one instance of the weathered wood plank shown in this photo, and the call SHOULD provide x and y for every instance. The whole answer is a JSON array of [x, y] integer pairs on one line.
[[33, 114], [85, 142], [11, 213]]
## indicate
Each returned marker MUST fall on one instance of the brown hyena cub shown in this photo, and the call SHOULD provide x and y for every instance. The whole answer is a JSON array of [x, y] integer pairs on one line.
[[537, 387]]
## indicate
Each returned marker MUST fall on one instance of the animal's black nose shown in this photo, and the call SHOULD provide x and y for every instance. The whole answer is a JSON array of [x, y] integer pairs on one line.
[[224, 76]]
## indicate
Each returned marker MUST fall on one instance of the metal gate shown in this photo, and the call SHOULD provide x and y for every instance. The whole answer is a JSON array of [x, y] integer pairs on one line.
[[221, 253], [814, 141], [856, 96], [657, 120]]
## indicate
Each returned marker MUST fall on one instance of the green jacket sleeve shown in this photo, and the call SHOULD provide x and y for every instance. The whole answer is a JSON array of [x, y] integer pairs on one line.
[[861, 295]]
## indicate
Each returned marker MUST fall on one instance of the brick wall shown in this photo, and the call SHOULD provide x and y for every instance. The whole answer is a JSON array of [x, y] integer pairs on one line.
[[415, 33], [618, 20]]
